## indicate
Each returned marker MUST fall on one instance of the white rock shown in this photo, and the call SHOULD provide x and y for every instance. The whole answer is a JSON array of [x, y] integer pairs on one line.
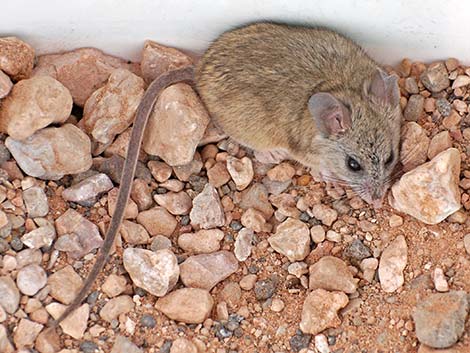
[[241, 171], [392, 263], [243, 244], [292, 239]]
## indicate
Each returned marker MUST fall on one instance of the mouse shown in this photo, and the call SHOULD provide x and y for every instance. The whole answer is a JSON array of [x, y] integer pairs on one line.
[[304, 92]]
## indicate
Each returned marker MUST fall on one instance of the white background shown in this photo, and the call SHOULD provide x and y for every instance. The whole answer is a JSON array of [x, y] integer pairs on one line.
[[388, 29]]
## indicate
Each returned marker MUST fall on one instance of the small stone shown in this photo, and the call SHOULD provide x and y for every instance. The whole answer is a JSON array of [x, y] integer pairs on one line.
[[414, 107], [257, 197], [321, 344], [248, 282], [317, 233], [207, 211], [277, 305], [114, 165], [243, 244], [124, 345], [368, 267], [48, 341], [439, 143], [52, 152], [265, 289], [160, 170], [117, 306], [5, 85], [131, 210], [241, 171], [356, 251], [411, 86], [461, 81], [26, 333], [177, 203], [292, 239], [231, 293], [88, 190], [133, 233], [392, 263], [254, 220], [9, 295], [75, 324], [177, 106], [435, 78], [185, 172], [443, 106], [452, 121], [64, 284], [39, 237], [156, 272], [206, 270], [332, 273], [16, 58], [395, 221], [141, 193], [440, 318], [298, 269], [158, 220], [325, 214], [466, 242], [88, 347], [160, 242], [414, 146], [440, 282], [36, 202], [114, 285], [430, 192], [188, 305], [218, 175], [182, 345], [201, 242], [300, 342], [148, 321], [31, 279], [5, 345], [320, 309]]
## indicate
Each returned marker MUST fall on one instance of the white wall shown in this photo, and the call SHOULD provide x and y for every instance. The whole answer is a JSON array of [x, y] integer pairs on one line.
[[388, 29]]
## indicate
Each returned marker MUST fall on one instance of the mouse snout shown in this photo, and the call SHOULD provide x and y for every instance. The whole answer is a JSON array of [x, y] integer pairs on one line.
[[374, 193]]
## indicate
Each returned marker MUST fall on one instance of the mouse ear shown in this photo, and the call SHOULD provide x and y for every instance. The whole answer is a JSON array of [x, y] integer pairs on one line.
[[383, 88], [329, 114]]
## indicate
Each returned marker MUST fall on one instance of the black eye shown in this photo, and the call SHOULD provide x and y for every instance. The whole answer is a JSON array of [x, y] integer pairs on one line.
[[353, 164], [389, 159]]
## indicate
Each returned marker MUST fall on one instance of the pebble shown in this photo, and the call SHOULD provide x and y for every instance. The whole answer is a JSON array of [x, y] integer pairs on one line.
[[141, 194], [256, 197], [325, 214], [265, 289], [277, 305], [414, 107], [452, 121], [298, 269], [9, 295], [368, 267], [333, 236], [292, 239], [31, 279], [320, 309], [156, 272], [160, 242], [392, 263], [439, 279], [218, 175], [185, 172], [414, 146], [39, 237], [461, 81], [300, 342], [114, 285], [64, 284], [88, 347], [321, 344], [16, 58], [111, 109], [356, 251], [148, 321], [395, 221], [206, 270], [282, 172], [201, 242], [332, 273], [88, 190], [5, 345], [116, 306], [5, 85], [243, 244], [26, 333], [177, 106], [317, 233], [188, 305], [133, 233], [158, 220], [443, 106], [435, 78], [466, 242], [48, 341], [160, 170], [36, 203], [207, 211], [82, 71], [75, 324], [52, 152], [248, 282], [254, 220], [241, 171], [124, 345], [78, 236], [131, 210], [411, 86], [440, 142], [158, 59], [177, 203], [440, 318], [430, 192], [182, 345]]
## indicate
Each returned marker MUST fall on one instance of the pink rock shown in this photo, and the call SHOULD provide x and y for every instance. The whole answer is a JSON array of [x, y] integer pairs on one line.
[[292, 239], [392, 263], [177, 203], [141, 194], [160, 170], [256, 197], [281, 172], [414, 146], [202, 241], [325, 214], [158, 59], [157, 220], [34, 104], [254, 220], [176, 125], [87, 190], [131, 211], [16, 58], [5, 85], [212, 135], [120, 144], [218, 175], [207, 211], [82, 71], [134, 233], [241, 171], [331, 273], [111, 109], [439, 143], [52, 152]]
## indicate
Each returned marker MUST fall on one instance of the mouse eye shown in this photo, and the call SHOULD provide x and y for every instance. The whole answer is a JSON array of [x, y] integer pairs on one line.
[[389, 159], [353, 164]]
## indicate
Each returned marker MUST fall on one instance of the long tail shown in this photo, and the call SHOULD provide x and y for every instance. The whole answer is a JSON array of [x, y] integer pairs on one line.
[[143, 112]]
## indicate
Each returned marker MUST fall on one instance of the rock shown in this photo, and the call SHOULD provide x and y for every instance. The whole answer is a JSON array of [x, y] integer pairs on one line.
[[131, 210], [320, 309], [157, 220], [411, 86], [88, 190], [48, 341], [452, 121], [158, 59], [439, 143], [430, 192], [188, 305], [52, 152], [39, 237], [325, 214], [75, 324], [114, 285], [5, 345], [443, 106], [160, 170], [461, 81], [156, 272], [36, 202], [218, 175], [5, 85], [300, 342], [133, 233], [26, 333], [368, 267], [243, 244], [435, 78], [206, 270], [114, 165], [331, 273], [248, 282], [466, 242], [78, 236], [454, 349], [254, 220], [317, 233], [207, 211], [286, 205], [34, 104], [177, 203], [116, 306], [298, 269], [321, 344], [9, 295], [231, 294], [282, 172], [124, 345], [292, 239], [184, 172], [440, 318], [201, 242], [241, 171], [414, 107], [111, 109], [276, 187], [64, 284], [141, 194], [177, 106], [414, 146], [440, 282], [356, 251], [31, 279], [257, 197], [395, 221], [82, 71], [182, 345], [265, 289], [392, 263], [16, 58]]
